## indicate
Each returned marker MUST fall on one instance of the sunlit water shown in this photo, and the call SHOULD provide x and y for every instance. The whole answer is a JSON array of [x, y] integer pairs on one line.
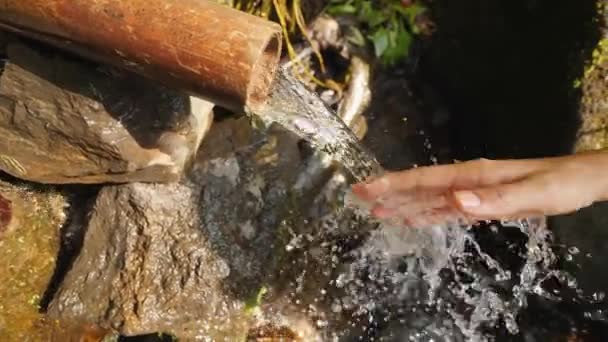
[[304, 113], [433, 284]]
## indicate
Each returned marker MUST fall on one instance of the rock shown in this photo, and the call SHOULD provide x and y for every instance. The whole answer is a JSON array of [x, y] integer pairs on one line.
[[63, 120], [145, 266], [6, 214], [30, 222], [593, 132], [230, 251], [185, 258]]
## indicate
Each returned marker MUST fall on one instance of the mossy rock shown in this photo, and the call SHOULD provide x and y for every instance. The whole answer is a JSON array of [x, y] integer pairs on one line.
[[593, 134], [29, 244]]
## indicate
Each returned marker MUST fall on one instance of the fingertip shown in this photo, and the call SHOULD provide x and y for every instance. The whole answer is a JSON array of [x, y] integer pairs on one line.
[[372, 189], [383, 212]]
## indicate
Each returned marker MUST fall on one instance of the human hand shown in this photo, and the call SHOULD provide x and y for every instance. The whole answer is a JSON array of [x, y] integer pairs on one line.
[[488, 190]]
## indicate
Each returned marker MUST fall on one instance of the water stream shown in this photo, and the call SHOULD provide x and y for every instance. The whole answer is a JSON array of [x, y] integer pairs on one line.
[[441, 283], [304, 113]]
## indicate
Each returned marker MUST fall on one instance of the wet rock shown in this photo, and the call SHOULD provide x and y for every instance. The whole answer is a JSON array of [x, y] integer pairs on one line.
[[145, 266], [63, 120], [186, 258], [58, 331], [6, 213], [29, 246], [272, 333]]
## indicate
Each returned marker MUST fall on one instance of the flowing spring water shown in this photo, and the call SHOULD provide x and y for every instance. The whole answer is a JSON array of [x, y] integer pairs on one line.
[[304, 113], [433, 284]]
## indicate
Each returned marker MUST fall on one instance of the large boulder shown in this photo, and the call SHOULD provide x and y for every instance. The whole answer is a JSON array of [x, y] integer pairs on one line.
[[63, 120], [186, 258]]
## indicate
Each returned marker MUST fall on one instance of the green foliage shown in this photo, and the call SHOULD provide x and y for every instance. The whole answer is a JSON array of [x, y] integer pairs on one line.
[[598, 59], [388, 25], [256, 301]]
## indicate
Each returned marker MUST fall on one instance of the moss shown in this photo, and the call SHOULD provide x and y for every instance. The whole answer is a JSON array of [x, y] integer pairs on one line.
[[598, 59], [29, 249], [593, 133]]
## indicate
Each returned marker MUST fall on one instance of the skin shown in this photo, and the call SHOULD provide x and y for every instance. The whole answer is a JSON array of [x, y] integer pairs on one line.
[[488, 189]]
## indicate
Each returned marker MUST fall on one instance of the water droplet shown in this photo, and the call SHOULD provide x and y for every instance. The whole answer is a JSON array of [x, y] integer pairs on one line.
[[321, 323], [598, 296]]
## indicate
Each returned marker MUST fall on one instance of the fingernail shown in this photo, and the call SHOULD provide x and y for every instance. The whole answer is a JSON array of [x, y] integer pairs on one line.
[[467, 199]]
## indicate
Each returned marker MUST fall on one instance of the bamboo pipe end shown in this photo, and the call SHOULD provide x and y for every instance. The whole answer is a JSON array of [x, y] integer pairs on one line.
[[264, 71]]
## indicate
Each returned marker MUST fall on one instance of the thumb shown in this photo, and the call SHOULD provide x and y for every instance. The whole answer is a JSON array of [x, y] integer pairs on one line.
[[501, 201]]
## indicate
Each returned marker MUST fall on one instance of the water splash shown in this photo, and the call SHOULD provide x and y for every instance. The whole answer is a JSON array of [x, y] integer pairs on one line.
[[441, 283]]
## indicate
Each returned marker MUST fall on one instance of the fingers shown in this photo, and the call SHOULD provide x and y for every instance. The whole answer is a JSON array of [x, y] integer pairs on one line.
[[472, 174], [394, 182], [475, 190], [373, 189], [419, 209], [438, 216], [505, 201]]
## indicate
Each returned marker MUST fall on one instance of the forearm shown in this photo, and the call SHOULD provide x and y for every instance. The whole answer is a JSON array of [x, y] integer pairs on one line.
[[602, 173]]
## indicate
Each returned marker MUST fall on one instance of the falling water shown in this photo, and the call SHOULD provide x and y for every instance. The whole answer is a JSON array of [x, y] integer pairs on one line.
[[304, 113], [433, 284]]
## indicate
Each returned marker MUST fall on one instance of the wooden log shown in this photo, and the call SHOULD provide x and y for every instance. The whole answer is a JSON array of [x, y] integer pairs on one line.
[[226, 56]]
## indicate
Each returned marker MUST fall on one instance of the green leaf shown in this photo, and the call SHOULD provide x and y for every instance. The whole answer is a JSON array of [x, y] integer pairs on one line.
[[255, 301], [387, 24], [365, 11], [355, 36], [381, 41], [376, 19], [411, 13], [368, 14], [399, 47], [343, 9]]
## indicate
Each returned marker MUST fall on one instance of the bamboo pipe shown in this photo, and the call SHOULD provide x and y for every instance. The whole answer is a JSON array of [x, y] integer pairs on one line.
[[223, 55]]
